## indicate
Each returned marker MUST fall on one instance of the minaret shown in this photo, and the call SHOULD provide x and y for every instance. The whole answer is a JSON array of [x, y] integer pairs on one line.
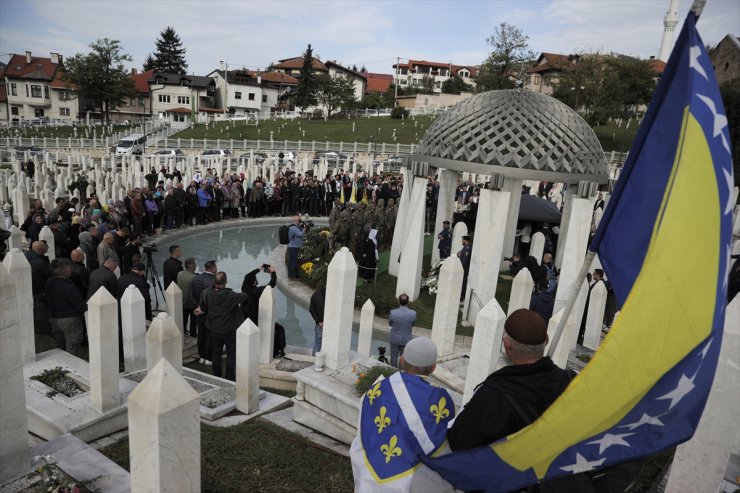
[[670, 21]]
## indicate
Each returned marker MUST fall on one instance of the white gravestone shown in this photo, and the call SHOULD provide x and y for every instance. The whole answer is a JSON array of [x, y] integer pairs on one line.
[[521, 291], [399, 231], [447, 305], [102, 336], [16, 239], [409, 272], [365, 339], [173, 298], [487, 253], [573, 247], [460, 230], [164, 433], [341, 283], [133, 325], [484, 350], [445, 205], [266, 321], [14, 456], [570, 332], [595, 316], [47, 236], [537, 247], [514, 187], [20, 272], [248, 367], [163, 340]]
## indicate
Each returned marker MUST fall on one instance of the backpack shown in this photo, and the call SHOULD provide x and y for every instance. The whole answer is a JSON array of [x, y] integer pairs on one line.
[[283, 234]]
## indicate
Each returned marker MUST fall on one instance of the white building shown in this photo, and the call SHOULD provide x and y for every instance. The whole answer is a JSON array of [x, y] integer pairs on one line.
[[241, 92], [412, 74], [179, 98]]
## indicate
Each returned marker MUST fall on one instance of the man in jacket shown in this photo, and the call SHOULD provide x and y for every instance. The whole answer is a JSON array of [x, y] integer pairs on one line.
[[295, 242], [80, 275], [201, 282], [220, 305], [40, 272], [401, 320], [184, 282], [172, 266], [136, 277], [104, 277], [316, 309], [106, 250], [66, 308], [250, 309]]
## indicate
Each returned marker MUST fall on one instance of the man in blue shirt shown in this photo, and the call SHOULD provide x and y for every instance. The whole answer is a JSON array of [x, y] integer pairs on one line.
[[401, 320], [295, 242], [445, 240]]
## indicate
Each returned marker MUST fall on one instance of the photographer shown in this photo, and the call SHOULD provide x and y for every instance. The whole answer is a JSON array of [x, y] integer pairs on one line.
[[250, 308], [296, 231]]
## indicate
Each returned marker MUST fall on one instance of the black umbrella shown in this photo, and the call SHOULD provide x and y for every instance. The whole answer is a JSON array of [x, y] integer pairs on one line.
[[536, 209]]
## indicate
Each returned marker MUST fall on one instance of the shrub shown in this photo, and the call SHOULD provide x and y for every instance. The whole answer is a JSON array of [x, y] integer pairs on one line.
[[399, 112], [366, 377]]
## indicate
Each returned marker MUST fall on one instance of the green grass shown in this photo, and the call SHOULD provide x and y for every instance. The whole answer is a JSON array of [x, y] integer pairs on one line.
[[614, 138], [258, 456], [376, 129]]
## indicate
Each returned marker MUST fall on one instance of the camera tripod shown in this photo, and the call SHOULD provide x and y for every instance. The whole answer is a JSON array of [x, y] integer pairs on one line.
[[152, 275]]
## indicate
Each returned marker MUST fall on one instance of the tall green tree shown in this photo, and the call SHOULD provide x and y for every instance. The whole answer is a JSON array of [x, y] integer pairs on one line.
[[305, 93], [334, 92], [509, 55], [455, 85], [169, 57], [100, 76]]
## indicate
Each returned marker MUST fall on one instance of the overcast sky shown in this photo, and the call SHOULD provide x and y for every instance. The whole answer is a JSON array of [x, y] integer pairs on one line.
[[372, 33]]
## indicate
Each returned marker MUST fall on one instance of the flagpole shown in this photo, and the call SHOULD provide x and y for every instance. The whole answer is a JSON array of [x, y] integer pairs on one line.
[[574, 290]]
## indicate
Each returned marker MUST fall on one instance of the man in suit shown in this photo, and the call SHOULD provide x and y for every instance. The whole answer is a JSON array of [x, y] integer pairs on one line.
[[598, 276], [401, 320], [464, 256]]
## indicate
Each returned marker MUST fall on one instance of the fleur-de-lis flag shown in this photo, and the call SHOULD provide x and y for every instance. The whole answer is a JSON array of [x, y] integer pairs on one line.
[[664, 242]]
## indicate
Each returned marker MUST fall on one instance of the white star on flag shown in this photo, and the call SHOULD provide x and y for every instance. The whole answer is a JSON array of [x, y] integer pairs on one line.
[[720, 120], [730, 190], [685, 385], [582, 464], [728, 259], [694, 54], [608, 440], [645, 419], [705, 350]]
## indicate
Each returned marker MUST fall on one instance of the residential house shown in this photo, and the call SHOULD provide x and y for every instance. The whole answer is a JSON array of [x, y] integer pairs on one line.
[[412, 74], [378, 83], [181, 98], [244, 91], [139, 106], [35, 89], [546, 73], [292, 66], [358, 78], [726, 59]]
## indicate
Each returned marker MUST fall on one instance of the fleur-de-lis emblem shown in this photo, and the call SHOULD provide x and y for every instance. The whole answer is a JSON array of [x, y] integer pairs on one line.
[[390, 450], [381, 421], [374, 393], [439, 411]]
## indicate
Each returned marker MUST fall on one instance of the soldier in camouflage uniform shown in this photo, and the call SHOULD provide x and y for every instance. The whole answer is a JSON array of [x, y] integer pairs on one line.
[[334, 214], [343, 228]]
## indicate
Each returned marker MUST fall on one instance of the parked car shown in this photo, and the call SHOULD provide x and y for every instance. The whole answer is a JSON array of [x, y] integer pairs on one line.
[[35, 151], [393, 160], [214, 154], [171, 153], [259, 157], [332, 157]]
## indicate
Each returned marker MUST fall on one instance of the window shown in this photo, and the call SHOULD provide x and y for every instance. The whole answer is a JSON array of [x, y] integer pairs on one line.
[[164, 98], [404, 82], [14, 110], [183, 99], [237, 95], [251, 96], [64, 112], [46, 92], [404, 71], [63, 95], [27, 94], [13, 90], [35, 91], [264, 98], [38, 112], [438, 84]]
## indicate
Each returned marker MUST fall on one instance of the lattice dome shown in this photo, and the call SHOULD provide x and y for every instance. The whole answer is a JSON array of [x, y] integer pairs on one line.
[[520, 134]]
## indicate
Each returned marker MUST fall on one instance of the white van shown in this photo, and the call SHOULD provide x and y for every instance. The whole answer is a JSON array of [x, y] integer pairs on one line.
[[133, 144]]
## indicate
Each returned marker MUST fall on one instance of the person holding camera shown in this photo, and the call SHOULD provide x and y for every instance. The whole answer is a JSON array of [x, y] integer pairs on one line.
[[250, 286], [296, 232]]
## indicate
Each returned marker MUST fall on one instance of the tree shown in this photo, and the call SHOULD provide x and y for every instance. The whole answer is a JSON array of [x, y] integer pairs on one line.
[[509, 55], [427, 85], [169, 57], [148, 63], [455, 85], [333, 92], [100, 76], [305, 93]]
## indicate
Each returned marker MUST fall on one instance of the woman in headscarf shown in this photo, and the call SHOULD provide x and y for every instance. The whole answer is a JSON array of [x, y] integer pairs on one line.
[[368, 250], [88, 245]]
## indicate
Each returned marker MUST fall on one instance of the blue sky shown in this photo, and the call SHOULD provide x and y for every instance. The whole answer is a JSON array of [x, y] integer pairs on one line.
[[372, 33]]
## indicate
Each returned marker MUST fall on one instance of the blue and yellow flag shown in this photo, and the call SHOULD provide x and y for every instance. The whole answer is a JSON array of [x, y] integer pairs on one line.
[[664, 242]]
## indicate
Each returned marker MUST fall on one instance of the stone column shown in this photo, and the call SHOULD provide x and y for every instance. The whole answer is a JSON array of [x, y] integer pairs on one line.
[[365, 338], [460, 230], [173, 298], [409, 273], [700, 463], [16, 239], [164, 432], [447, 305], [564, 222], [163, 340], [445, 204], [341, 283], [133, 324], [537, 247], [20, 272], [248, 367], [14, 458], [570, 332], [267, 325], [399, 231], [573, 248], [595, 316], [485, 348], [488, 245], [47, 236], [514, 187], [521, 291], [102, 336]]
